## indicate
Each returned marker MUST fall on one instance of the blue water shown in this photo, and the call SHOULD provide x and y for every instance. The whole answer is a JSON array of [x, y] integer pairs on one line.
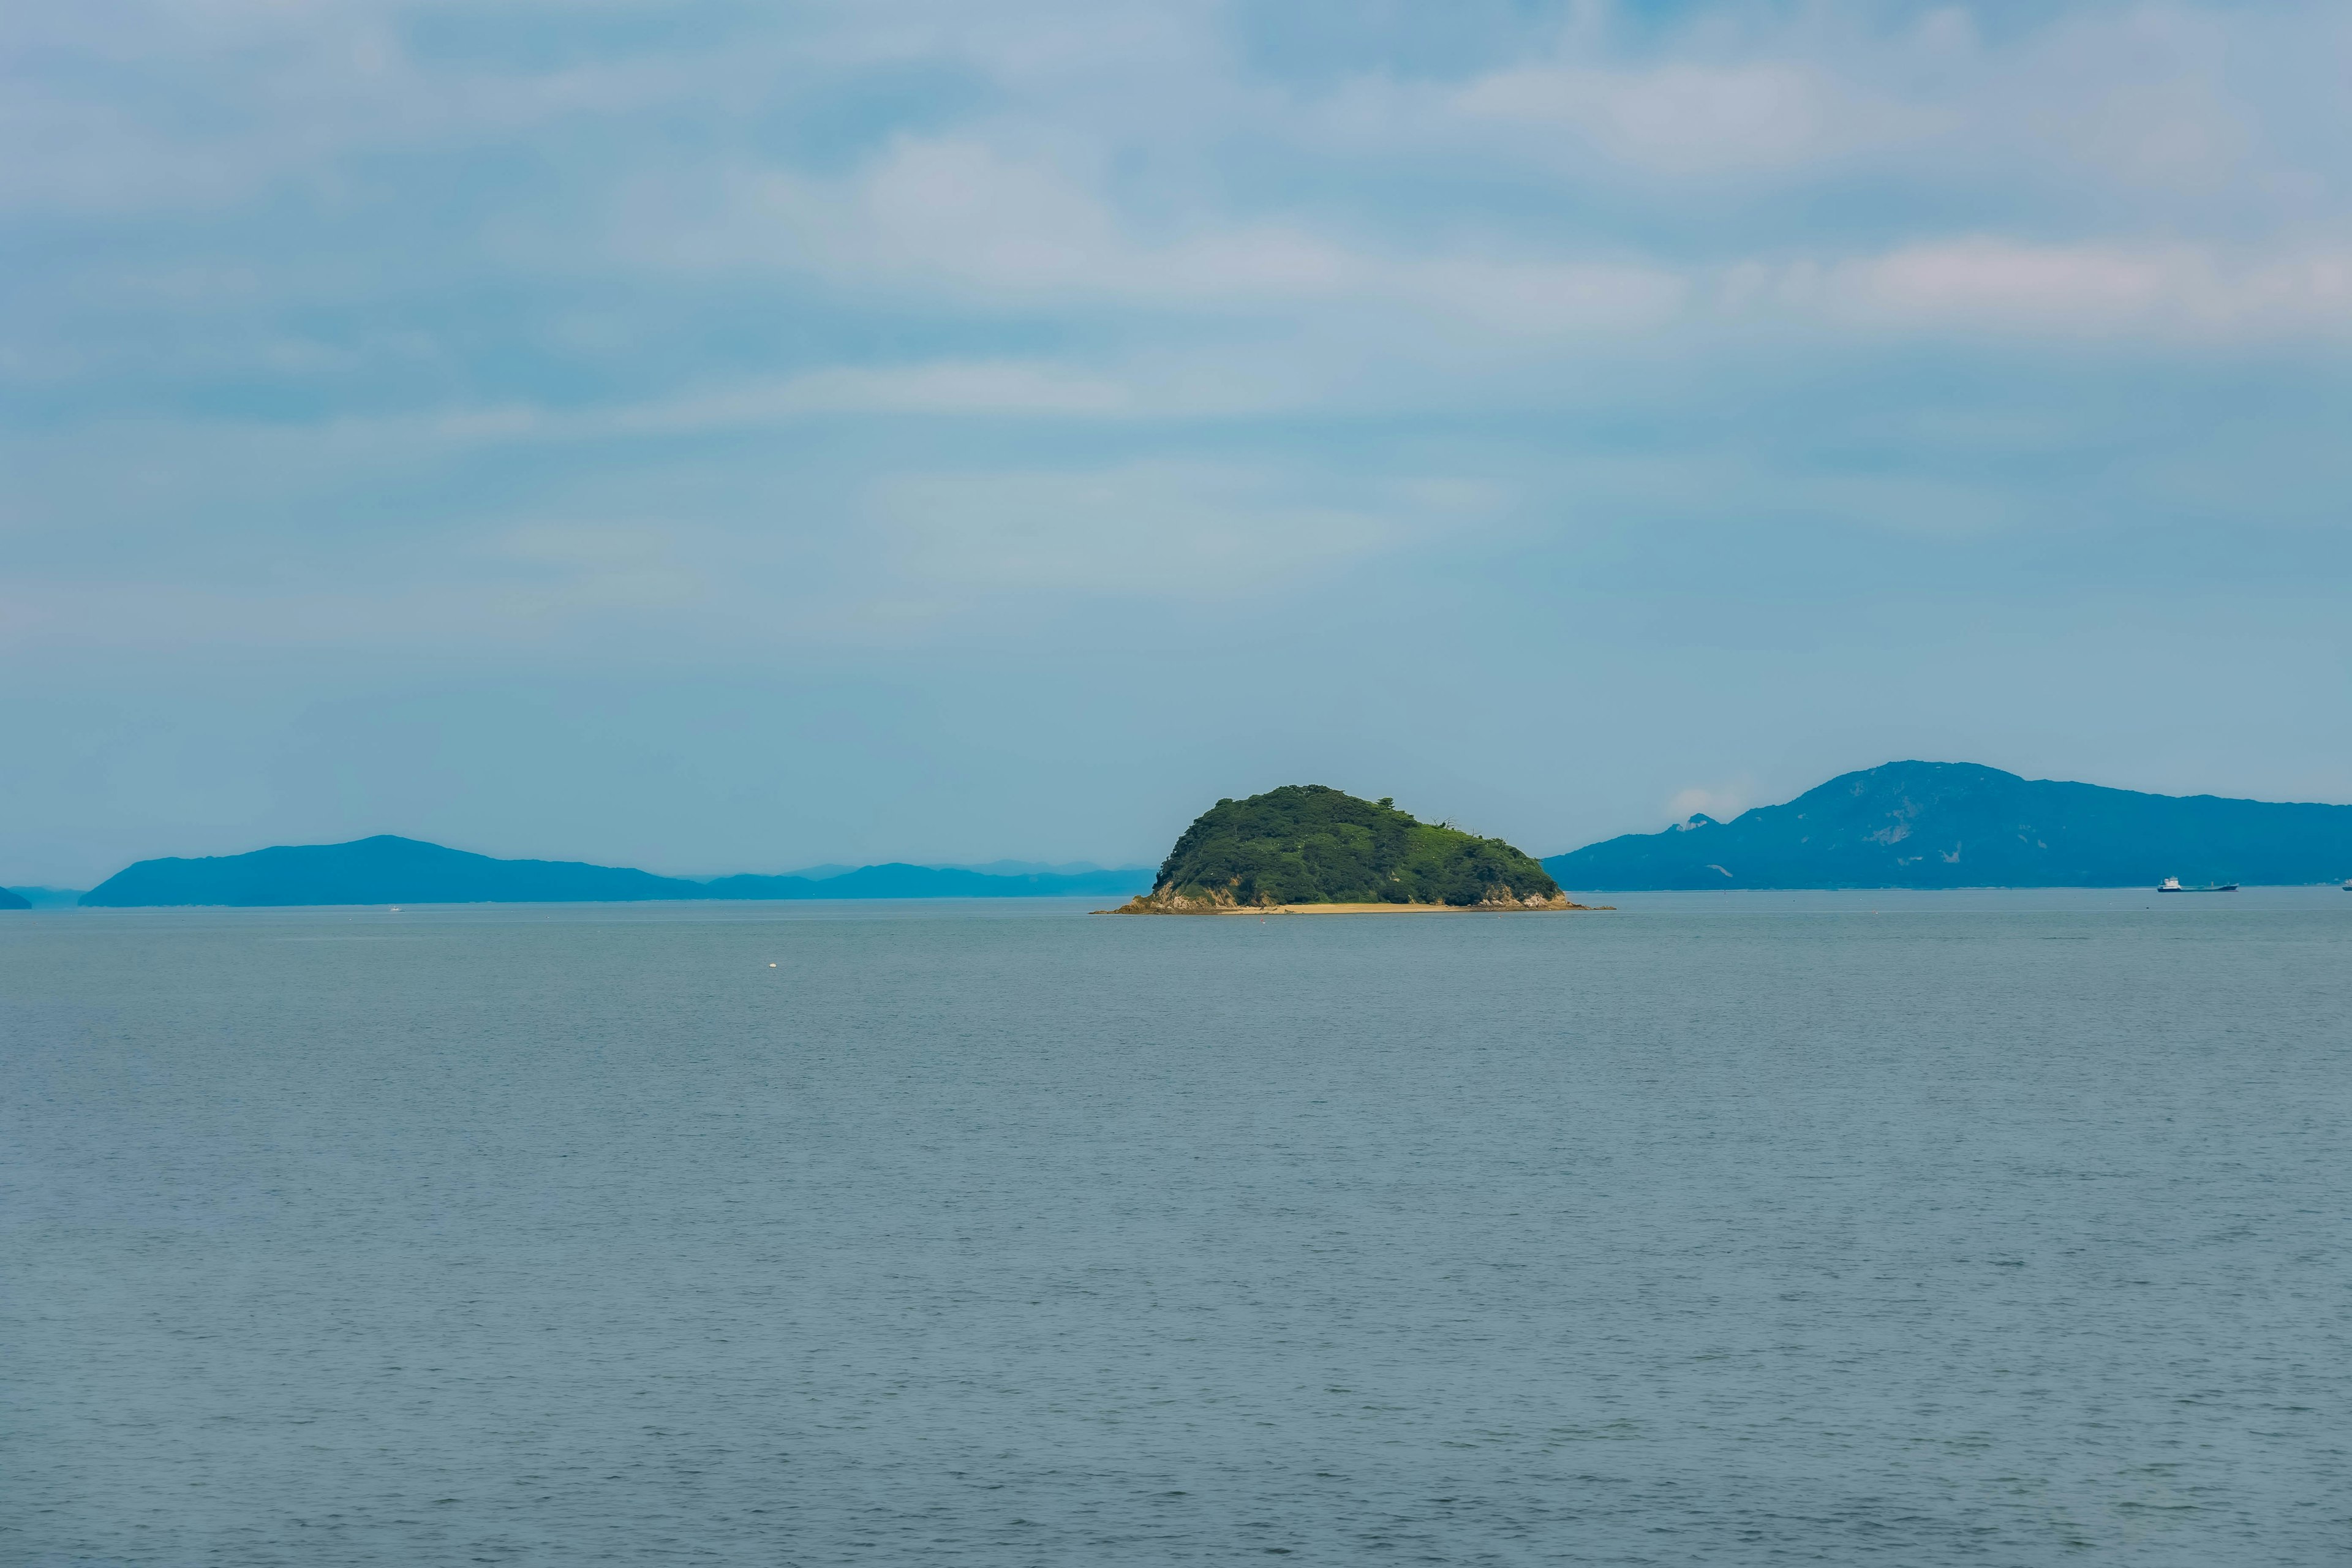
[[1848, 1228]]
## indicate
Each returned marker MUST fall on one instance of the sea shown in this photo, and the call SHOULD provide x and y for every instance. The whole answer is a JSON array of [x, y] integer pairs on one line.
[[1900, 1230]]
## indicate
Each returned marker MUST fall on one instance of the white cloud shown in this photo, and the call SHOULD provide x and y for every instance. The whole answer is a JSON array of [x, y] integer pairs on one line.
[[1114, 166], [1544, 298], [2178, 132], [962, 216], [1111, 216], [594, 567], [2085, 289], [1158, 530], [171, 108], [1689, 118], [1001, 389], [980, 389], [996, 388], [1722, 803], [958, 212]]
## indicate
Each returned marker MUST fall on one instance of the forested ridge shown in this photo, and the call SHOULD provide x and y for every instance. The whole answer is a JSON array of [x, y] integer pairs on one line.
[[1962, 824]]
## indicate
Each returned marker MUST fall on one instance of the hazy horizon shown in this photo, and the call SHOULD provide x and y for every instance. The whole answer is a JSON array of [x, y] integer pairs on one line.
[[744, 436], [1001, 866]]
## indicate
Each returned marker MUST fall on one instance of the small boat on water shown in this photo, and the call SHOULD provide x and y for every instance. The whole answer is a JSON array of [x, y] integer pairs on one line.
[[2172, 885]]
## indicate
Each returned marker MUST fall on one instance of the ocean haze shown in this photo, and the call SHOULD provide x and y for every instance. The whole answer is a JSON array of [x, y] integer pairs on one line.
[[48, 898]]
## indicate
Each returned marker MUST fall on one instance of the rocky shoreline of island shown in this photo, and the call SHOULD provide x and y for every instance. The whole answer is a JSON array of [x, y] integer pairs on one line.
[[1145, 904]]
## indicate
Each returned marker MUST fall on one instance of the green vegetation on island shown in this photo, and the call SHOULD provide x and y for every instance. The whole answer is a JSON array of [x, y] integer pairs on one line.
[[1308, 844]]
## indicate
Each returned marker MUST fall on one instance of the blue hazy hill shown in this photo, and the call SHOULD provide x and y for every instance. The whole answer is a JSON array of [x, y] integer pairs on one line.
[[386, 869], [1959, 825], [11, 901], [380, 871], [42, 897]]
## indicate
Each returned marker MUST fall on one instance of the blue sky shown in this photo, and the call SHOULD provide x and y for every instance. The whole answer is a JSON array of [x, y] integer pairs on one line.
[[724, 438]]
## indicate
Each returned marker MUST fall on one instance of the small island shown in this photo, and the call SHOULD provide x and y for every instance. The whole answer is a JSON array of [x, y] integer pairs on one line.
[[1311, 849]]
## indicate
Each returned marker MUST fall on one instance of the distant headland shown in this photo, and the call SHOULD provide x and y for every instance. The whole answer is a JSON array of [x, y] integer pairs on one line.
[[1311, 848], [1959, 825], [392, 871]]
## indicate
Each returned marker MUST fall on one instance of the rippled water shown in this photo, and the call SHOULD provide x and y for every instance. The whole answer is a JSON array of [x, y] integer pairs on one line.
[[1868, 1228]]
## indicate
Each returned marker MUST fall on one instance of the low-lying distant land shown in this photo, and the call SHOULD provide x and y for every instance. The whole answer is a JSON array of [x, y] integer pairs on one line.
[[1312, 849], [386, 869]]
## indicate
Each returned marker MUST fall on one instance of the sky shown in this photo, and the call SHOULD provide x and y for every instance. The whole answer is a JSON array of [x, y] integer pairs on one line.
[[724, 438]]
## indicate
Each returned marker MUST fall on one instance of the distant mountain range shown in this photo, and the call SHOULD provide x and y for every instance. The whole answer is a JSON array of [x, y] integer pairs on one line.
[[391, 870], [1958, 825], [1904, 824]]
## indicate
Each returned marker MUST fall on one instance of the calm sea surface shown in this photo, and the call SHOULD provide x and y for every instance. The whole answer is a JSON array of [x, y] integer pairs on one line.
[[2002, 1228]]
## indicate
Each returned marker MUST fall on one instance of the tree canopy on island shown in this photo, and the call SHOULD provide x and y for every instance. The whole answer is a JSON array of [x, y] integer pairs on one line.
[[1308, 844]]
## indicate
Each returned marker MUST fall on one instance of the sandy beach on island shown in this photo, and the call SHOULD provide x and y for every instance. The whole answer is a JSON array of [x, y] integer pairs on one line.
[[1378, 909], [1405, 909]]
